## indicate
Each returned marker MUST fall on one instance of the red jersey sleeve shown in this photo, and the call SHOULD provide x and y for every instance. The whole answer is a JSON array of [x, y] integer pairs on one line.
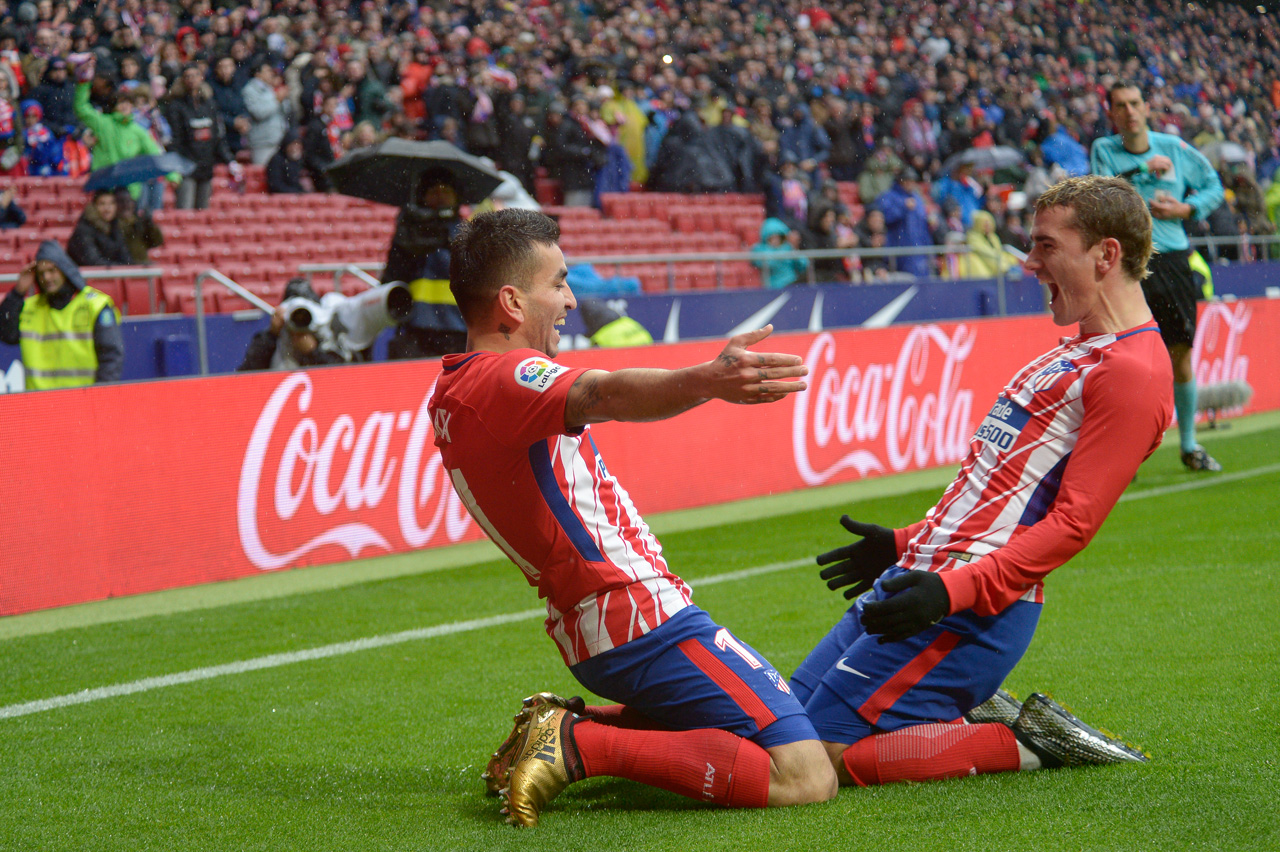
[[526, 392], [1127, 407]]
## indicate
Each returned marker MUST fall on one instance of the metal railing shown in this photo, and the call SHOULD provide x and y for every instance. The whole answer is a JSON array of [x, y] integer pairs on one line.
[[217, 277]]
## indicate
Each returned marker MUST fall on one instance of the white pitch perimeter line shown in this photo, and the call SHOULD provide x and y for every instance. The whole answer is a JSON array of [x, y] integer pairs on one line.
[[272, 661], [338, 649]]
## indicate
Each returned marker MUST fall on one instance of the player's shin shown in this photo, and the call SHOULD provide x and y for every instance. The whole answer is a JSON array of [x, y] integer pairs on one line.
[[931, 752], [709, 764]]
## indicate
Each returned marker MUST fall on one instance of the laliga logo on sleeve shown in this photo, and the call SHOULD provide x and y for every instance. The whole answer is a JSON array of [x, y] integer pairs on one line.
[[537, 373]]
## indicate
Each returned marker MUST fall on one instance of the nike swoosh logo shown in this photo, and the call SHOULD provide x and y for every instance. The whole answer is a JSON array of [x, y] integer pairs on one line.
[[842, 667]]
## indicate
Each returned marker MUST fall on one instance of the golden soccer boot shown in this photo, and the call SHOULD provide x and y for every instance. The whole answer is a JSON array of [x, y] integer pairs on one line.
[[548, 763], [499, 767]]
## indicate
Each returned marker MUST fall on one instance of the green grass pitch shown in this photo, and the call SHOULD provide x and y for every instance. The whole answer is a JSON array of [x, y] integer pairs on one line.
[[1164, 630]]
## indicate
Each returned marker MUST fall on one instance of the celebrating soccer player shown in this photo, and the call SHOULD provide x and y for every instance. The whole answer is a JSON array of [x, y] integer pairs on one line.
[[951, 602], [700, 713]]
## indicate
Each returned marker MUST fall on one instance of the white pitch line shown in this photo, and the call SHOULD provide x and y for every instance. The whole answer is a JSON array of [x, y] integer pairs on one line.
[[1205, 482], [272, 661]]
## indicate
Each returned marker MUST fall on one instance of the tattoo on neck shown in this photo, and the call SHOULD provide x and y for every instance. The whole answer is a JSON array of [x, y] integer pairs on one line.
[[506, 331]]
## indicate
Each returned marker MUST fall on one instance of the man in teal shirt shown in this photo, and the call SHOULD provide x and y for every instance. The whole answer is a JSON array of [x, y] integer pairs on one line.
[[1178, 183]]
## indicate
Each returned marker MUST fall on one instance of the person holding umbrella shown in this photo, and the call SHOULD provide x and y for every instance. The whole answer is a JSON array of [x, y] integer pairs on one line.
[[419, 254], [429, 182]]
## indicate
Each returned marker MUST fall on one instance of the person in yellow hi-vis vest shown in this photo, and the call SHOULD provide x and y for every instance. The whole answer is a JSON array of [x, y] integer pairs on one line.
[[69, 332]]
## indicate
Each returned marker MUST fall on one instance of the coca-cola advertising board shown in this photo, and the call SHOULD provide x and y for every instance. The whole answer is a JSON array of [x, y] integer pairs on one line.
[[130, 488]]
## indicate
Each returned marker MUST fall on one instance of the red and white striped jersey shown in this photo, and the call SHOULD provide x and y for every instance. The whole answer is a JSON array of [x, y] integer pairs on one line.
[[1045, 467], [547, 500]]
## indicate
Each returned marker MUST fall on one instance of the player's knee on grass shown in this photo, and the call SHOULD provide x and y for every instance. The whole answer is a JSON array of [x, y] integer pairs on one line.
[[800, 773]]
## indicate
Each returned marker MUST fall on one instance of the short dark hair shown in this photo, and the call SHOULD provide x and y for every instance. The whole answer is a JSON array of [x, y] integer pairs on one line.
[[1123, 84], [492, 250], [1103, 207]]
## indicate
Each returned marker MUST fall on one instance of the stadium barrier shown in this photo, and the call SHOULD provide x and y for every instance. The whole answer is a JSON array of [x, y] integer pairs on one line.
[[131, 488]]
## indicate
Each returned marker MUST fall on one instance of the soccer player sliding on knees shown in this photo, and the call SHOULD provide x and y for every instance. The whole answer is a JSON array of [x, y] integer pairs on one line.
[[906, 686], [699, 712]]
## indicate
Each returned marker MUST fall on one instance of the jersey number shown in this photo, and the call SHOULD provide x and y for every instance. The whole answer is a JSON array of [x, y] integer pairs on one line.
[[725, 640]]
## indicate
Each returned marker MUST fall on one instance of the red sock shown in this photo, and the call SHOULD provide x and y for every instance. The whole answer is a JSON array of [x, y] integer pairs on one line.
[[930, 752], [707, 764], [622, 716]]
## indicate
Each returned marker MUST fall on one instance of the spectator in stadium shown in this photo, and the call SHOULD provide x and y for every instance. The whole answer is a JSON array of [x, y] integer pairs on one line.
[[285, 170], [117, 136], [140, 230], [11, 213], [823, 235], [987, 257], [963, 188], [881, 170], [198, 135], [508, 418], [227, 84], [804, 139], [42, 149], [322, 143], [98, 239], [517, 132], [568, 156], [906, 221], [280, 346], [1060, 147], [844, 160], [69, 332], [873, 234], [267, 120], [946, 607], [56, 93], [1178, 184], [419, 256], [368, 95], [776, 237]]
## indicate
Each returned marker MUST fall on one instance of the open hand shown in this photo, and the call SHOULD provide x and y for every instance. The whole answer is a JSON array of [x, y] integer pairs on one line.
[[749, 378], [858, 565]]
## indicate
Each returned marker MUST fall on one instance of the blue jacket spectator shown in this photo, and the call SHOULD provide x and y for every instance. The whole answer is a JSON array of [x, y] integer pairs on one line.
[[961, 187], [803, 139], [907, 222], [1061, 148], [775, 236]]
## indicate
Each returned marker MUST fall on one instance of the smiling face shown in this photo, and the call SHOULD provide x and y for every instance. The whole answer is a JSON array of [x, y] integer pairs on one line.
[[547, 300], [1061, 261]]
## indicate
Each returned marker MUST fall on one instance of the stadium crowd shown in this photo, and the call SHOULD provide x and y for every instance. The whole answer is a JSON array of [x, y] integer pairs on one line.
[[705, 96]]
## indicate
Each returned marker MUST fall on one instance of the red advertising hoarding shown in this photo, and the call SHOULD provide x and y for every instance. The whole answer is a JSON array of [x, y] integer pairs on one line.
[[124, 489]]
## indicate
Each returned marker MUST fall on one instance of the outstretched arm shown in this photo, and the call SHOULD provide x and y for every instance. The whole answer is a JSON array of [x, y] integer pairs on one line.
[[735, 375]]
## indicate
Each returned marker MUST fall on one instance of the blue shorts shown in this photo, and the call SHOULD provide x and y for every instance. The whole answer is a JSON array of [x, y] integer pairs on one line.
[[852, 686], [692, 673]]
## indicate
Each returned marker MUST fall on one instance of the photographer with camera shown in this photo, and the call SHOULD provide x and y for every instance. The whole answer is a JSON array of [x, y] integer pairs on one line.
[[302, 345], [333, 329], [419, 254]]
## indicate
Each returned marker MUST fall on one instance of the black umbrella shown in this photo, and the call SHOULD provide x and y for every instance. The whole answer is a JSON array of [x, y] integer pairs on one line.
[[991, 157], [390, 171], [138, 169]]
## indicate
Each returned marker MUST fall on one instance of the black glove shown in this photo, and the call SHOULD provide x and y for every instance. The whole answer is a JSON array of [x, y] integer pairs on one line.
[[858, 565], [923, 601]]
